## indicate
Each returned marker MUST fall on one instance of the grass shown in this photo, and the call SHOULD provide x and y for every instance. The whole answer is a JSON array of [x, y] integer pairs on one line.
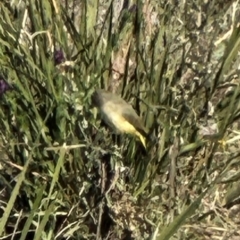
[[63, 175]]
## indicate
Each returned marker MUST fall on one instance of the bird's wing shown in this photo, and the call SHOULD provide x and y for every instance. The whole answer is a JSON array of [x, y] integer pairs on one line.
[[135, 120]]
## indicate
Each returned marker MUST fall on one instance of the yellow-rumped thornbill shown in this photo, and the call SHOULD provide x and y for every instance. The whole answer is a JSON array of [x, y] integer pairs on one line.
[[119, 115]]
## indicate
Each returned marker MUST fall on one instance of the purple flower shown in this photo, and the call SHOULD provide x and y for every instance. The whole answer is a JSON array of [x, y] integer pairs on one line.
[[4, 86], [58, 57]]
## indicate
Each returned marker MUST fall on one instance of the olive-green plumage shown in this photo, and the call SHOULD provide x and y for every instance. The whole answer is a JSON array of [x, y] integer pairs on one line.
[[119, 115]]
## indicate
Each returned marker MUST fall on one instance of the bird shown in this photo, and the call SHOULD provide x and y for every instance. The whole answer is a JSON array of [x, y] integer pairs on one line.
[[119, 115]]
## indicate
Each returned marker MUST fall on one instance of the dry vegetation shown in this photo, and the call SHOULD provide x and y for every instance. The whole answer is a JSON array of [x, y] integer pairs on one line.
[[63, 175]]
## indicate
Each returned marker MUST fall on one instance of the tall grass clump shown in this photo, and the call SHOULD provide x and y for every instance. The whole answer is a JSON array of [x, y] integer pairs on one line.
[[62, 173]]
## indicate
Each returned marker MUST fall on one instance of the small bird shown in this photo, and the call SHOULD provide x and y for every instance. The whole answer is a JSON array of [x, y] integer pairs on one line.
[[119, 115]]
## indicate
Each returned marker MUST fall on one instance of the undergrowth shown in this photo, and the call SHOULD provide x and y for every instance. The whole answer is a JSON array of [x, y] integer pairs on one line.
[[63, 175]]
